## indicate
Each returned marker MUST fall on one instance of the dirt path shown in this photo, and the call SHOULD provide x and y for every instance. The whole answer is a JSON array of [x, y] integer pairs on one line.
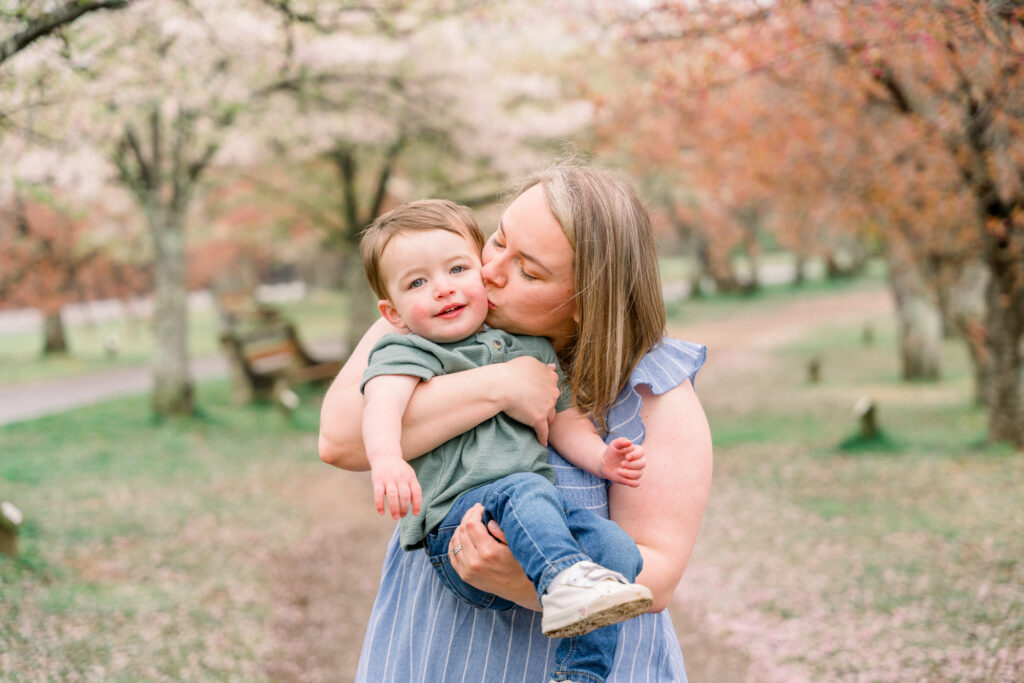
[[324, 585]]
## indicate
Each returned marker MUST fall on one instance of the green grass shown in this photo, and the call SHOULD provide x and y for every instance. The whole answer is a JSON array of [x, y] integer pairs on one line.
[[145, 545], [320, 315]]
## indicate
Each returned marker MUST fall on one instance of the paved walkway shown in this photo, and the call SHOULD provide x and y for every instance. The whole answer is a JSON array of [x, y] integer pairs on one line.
[[29, 400]]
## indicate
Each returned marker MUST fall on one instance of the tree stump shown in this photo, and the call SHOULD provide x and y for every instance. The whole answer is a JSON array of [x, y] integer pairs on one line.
[[864, 410], [10, 520], [814, 369], [868, 336]]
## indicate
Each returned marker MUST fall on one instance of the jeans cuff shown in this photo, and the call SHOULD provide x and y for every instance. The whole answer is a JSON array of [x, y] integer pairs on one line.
[[554, 568], [577, 676]]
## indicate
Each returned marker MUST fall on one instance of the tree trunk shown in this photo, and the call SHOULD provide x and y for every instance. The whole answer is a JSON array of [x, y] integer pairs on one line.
[[980, 358], [1005, 325], [846, 259], [753, 252], [963, 302], [920, 322], [799, 263], [362, 303], [55, 340], [172, 384]]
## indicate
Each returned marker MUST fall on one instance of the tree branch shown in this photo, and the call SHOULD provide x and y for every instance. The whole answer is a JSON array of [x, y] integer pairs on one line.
[[46, 24], [344, 161], [701, 32], [142, 181], [384, 175]]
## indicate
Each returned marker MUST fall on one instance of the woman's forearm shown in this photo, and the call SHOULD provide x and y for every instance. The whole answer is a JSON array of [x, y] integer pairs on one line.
[[661, 573], [440, 409]]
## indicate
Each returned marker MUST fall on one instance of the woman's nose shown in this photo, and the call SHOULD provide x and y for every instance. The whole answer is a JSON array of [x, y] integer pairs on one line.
[[493, 272]]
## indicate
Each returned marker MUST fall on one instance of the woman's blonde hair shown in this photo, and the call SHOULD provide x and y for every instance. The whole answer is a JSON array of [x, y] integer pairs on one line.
[[618, 288]]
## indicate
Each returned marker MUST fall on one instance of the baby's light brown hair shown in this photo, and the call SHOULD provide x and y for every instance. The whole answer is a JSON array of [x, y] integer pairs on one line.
[[423, 214]]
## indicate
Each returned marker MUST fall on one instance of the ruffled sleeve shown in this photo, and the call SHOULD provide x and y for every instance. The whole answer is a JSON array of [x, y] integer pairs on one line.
[[665, 367]]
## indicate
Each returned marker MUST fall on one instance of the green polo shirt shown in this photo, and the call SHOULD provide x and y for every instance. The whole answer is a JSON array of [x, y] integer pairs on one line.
[[493, 449]]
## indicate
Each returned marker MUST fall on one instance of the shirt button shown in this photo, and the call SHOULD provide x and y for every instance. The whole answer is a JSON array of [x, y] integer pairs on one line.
[[497, 344]]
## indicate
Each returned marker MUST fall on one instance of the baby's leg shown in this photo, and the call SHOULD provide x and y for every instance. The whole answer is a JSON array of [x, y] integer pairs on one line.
[[437, 543], [590, 657], [530, 512], [587, 658], [604, 541]]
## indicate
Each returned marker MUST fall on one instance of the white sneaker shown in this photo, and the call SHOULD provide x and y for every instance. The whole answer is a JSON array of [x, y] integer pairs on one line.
[[587, 596]]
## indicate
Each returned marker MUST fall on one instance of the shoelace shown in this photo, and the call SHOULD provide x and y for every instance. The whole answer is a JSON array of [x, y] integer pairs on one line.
[[591, 575]]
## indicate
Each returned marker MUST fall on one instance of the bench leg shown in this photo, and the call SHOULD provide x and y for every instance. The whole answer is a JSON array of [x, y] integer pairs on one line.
[[285, 396]]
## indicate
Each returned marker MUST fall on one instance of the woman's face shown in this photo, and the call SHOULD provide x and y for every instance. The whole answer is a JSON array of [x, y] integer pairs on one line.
[[528, 272]]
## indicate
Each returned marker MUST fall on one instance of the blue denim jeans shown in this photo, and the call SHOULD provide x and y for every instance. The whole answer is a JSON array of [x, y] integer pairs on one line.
[[546, 535]]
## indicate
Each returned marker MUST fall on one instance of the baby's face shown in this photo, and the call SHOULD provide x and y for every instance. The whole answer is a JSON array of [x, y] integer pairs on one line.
[[434, 285]]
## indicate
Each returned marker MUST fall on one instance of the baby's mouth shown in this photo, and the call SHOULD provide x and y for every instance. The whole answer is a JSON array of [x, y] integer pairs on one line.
[[451, 309]]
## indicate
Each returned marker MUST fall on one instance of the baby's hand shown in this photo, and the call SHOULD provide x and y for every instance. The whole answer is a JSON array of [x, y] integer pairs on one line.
[[395, 480], [623, 462]]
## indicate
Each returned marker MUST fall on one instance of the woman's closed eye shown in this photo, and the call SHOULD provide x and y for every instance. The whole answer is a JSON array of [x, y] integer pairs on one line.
[[499, 245]]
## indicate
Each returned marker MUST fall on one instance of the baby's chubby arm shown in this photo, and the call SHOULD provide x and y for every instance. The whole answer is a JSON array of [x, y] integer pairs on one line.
[[576, 440], [386, 398]]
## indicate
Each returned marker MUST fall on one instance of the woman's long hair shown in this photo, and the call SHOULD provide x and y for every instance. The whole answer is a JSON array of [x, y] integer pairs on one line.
[[618, 289]]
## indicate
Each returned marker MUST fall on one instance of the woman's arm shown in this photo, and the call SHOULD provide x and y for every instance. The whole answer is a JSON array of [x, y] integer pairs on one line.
[[440, 409], [664, 513]]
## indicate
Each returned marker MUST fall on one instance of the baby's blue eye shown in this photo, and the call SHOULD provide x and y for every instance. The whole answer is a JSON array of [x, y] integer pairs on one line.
[[418, 282], [457, 269]]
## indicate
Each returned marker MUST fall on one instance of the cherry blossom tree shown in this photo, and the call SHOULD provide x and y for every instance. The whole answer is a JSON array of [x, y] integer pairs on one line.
[[154, 91], [52, 255], [431, 98], [160, 97], [894, 121]]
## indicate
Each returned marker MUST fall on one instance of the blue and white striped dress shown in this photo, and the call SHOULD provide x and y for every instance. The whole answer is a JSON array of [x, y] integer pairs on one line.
[[419, 631]]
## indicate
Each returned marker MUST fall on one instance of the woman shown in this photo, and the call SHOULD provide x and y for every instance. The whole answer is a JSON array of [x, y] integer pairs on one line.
[[573, 260]]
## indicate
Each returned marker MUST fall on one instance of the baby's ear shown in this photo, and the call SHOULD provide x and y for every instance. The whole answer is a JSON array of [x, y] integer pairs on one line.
[[391, 314]]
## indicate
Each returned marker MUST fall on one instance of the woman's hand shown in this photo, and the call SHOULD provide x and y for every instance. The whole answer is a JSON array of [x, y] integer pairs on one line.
[[485, 562], [530, 392]]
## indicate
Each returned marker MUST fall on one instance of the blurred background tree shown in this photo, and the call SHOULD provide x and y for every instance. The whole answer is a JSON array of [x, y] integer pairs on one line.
[[270, 132], [891, 126]]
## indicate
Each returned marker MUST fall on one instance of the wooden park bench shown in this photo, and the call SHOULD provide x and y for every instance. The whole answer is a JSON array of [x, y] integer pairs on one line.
[[267, 359]]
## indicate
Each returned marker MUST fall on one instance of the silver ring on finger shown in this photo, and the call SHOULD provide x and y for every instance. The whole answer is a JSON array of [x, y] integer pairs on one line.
[[456, 550]]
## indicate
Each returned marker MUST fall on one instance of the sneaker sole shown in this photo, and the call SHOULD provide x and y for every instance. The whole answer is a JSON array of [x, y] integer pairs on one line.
[[602, 617]]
